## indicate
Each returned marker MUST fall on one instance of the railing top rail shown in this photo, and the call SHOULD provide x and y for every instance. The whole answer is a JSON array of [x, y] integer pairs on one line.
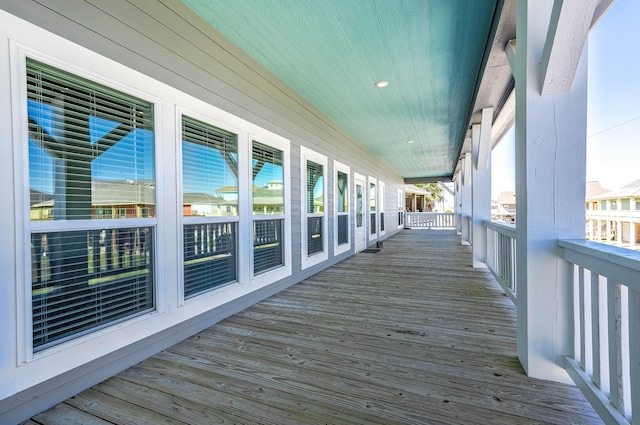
[[503, 228], [619, 264]]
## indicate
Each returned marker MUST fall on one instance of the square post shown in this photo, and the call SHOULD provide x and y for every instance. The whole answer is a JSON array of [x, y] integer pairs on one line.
[[550, 183]]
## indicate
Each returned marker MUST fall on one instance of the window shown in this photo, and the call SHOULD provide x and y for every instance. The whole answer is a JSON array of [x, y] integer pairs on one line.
[[209, 205], [401, 207], [91, 151], [381, 206], [373, 196], [314, 222], [267, 165], [342, 231]]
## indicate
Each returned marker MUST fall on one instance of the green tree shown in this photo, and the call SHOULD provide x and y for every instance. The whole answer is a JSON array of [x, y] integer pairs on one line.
[[433, 195]]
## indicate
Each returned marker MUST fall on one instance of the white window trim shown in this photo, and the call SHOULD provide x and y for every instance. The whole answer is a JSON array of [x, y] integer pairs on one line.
[[400, 206], [380, 209], [89, 65], [270, 276], [340, 249], [372, 236], [306, 260], [203, 112], [365, 210], [27, 39]]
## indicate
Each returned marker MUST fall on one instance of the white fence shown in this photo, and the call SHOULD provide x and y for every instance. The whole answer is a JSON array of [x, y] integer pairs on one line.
[[606, 361], [501, 255], [430, 220]]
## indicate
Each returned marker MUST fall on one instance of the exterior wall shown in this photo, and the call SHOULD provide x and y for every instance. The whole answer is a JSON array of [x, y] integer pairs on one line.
[[169, 44]]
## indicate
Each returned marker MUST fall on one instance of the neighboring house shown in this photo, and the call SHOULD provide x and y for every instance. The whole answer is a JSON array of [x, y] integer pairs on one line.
[[614, 216], [504, 208]]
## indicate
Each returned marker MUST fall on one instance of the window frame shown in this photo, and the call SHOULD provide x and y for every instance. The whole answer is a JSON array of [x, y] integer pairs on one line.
[[283, 145], [380, 210], [347, 246], [204, 116], [318, 257], [74, 63], [401, 208], [373, 235]]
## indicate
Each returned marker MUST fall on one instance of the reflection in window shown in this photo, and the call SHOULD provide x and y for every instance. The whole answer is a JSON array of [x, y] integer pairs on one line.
[[342, 187], [315, 207], [359, 206], [210, 189], [372, 206], [90, 148], [91, 156], [209, 170], [268, 207]]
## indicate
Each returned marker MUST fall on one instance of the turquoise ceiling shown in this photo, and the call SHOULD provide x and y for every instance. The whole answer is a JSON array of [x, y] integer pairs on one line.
[[331, 52]]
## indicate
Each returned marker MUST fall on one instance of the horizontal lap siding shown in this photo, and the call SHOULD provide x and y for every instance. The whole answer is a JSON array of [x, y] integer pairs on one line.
[[166, 41]]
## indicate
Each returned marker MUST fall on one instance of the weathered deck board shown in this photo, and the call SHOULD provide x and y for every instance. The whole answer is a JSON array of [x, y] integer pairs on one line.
[[410, 335]]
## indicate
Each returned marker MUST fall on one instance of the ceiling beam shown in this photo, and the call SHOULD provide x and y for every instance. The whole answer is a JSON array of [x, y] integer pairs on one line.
[[436, 179], [482, 140], [566, 37]]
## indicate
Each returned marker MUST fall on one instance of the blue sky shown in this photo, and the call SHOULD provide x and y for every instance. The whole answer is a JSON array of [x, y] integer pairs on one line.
[[613, 127]]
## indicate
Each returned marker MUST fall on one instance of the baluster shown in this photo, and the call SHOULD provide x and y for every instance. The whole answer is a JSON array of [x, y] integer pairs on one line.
[[595, 328], [615, 352], [581, 309]]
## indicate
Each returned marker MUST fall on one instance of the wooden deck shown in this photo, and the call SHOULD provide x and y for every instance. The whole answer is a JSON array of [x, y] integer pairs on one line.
[[409, 335]]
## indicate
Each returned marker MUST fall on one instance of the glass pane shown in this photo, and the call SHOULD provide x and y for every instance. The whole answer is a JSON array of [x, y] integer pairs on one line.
[[209, 256], [83, 279], [372, 197], [209, 170], [267, 245], [91, 148], [343, 228], [315, 188], [343, 192], [381, 221], [359, 205], [314, 235], [373, 223], [268, 179]]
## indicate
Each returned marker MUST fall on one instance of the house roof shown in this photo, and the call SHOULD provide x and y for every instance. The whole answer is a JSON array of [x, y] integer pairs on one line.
[[631, 190], [594, 188], [507, 198]]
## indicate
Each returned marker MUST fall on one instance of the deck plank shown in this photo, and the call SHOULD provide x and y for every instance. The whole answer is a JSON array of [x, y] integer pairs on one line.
[[412, 334]]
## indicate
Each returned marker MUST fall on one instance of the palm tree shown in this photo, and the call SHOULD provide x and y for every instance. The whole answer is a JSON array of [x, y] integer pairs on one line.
[[434, 194]]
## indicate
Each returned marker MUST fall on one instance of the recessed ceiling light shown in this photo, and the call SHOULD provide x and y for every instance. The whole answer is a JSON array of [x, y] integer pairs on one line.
[[382, 83], [410, 141]]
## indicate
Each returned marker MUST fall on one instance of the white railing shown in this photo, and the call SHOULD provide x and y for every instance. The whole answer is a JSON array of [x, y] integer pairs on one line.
[[606, 360], [501, 255], [430, 220]]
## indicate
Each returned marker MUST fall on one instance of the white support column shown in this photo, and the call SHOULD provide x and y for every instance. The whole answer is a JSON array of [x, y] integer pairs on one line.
[[632, 224], [457, 199], [481, 189], [550, 183], [466, 198]]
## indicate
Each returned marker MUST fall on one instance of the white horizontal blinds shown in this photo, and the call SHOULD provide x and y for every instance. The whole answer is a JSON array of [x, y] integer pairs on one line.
[[209, 170], [91, 151], [372, 206], [268, 207], [210, 189], [84, 280], [315, 207], [91, 156], [342, 187]]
